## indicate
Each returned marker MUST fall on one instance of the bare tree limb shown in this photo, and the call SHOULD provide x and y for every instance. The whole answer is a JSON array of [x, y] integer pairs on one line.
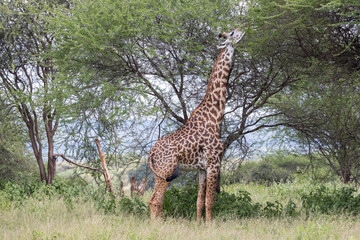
[[106, 171], [77, 164]]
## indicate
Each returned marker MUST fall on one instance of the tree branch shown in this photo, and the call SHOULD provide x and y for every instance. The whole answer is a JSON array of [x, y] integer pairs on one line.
[[78, 164]]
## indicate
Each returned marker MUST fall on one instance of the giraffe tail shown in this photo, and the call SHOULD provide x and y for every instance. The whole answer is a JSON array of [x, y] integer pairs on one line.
[[150, 163], [168, 179]]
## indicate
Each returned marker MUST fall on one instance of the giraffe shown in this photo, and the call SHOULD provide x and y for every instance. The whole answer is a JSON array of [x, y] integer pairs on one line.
[[197, 145]]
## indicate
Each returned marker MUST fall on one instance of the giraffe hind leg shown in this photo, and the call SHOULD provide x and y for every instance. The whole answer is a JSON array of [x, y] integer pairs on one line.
[[201, 195], [157, 198]]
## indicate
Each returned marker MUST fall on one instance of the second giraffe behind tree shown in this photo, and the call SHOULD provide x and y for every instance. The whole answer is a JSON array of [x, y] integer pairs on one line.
[[197, 145]]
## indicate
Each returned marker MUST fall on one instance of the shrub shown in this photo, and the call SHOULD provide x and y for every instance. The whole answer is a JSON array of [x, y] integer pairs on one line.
[[65, 188], [181, 202], [235, 205], [133, 206], [276, 167], [326, 200]]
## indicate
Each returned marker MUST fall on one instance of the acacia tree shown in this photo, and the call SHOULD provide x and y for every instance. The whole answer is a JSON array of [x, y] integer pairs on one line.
[[166, 52], [325, 116], [323, 107], [27, 74], [15, 159], [29, 77]]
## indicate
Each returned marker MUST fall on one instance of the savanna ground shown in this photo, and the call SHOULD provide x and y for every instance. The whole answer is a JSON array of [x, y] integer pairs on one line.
[[58, 213]]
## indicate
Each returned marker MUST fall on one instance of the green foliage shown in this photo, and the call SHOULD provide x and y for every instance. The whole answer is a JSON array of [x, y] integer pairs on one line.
[[18, 194], [16, 164], [105, 201], [235, 205], [181, 202], [276, 167], [40, 235], [71, 191], [319, 42], [111, 204], [332, 200], [134, 206]]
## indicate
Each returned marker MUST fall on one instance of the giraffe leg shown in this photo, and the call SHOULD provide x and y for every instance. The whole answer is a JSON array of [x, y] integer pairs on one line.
[[201, 195], [157, 198], [212, 176]]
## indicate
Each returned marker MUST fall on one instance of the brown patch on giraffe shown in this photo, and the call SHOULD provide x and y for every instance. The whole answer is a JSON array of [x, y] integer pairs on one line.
[[218, 84], [204, 115], [213, 112], [218, 107], [217, 94]]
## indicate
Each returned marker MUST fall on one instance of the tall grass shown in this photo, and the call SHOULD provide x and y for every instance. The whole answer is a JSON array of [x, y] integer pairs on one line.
[[51, 219], [61, 212]]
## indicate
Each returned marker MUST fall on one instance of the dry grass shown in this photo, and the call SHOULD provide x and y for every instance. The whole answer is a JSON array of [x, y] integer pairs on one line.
[[51, 219]]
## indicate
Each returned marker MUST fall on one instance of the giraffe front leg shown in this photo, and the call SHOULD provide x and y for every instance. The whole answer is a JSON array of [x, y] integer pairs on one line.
[[201, 195], [211, 180], [157, 198]]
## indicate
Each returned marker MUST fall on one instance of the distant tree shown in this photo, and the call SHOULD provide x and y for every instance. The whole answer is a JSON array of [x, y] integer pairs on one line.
[[27, 74], [323, 107], [15, 160]]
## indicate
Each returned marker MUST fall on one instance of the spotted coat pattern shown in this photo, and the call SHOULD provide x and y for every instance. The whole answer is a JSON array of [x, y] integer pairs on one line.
[[197, 145]]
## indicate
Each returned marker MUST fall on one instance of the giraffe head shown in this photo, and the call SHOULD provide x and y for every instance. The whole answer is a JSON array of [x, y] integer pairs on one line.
[[232, 37]]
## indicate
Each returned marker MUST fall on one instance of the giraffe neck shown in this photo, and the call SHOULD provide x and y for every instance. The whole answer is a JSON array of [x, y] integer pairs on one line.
[[212, 107]]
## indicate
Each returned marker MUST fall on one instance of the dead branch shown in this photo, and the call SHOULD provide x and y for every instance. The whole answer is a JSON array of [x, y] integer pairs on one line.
[[106, 171], [140, 189], [77, 164]]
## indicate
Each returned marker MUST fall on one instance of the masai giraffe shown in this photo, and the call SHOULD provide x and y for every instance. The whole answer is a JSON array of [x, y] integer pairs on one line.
[[197, 145]]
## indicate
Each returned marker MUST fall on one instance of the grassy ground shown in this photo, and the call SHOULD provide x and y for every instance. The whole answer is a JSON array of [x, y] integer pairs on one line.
[[51, 219]]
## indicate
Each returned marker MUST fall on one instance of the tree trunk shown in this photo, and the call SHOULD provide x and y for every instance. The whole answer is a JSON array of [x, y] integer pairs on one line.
[[37, 149], [122, 194], [345, 168], [41, 168], [51, 158], [346, 174], [51, 169]]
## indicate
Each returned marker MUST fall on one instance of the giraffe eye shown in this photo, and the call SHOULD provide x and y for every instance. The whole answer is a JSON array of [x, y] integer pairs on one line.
[[232, 34]]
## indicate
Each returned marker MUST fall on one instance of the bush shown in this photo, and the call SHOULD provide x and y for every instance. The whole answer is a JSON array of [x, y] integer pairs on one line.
[[181, 202], [326, 200], [70, 191], [65, 188], [235, 205], [134, 206], [276, 167]]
